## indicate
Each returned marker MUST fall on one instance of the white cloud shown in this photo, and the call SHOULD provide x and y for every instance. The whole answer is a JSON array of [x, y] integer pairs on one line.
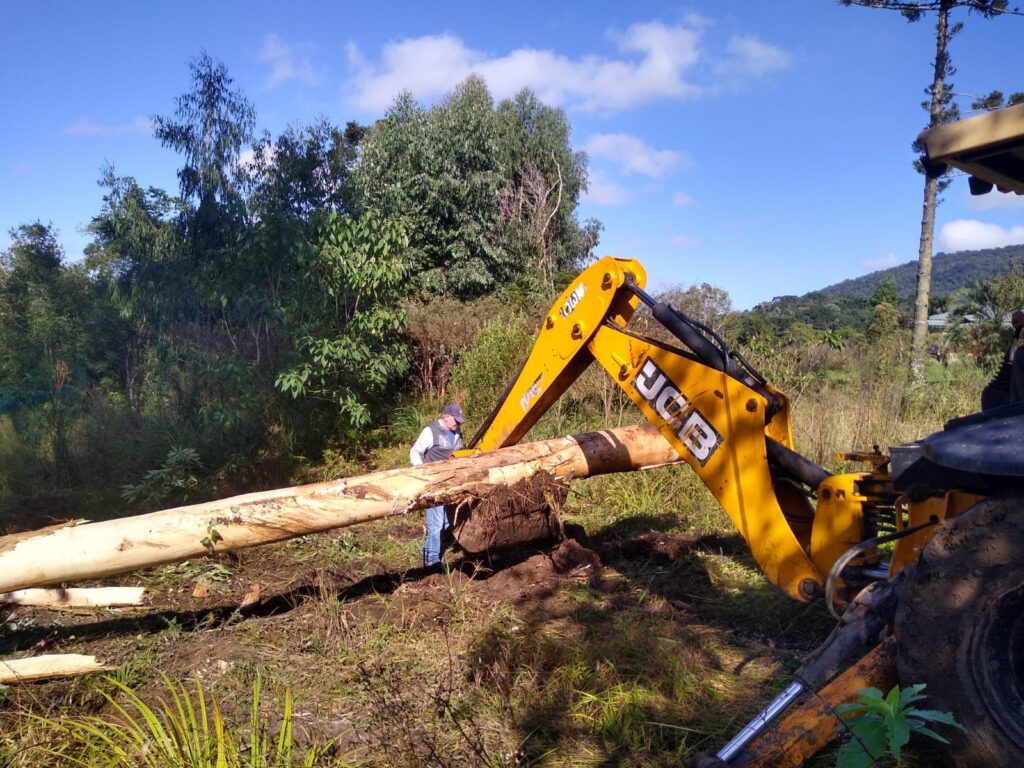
[[654, 59], [287, 62], [697, 21], [970, 234], [86, 127], [749, 55], [246, 160], [681, 200], [602, 191], [633, 155], [882, 262], [684, 243]]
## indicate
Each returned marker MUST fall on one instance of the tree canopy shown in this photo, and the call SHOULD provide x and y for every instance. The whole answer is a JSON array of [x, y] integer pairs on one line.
[[267, 297]]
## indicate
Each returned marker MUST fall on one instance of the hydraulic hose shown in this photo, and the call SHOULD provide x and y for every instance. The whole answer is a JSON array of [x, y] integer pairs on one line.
[[709, 354], [789, 463]]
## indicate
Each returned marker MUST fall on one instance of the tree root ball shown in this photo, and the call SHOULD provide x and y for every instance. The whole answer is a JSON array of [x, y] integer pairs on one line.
[[511, 516]]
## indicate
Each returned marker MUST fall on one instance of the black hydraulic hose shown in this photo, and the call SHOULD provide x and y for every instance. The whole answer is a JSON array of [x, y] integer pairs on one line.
[[708, 346], [709, 354], [789, 463], [737, 355]]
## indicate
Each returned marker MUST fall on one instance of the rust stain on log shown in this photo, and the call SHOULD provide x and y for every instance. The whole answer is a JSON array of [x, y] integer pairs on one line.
[[225, 520]]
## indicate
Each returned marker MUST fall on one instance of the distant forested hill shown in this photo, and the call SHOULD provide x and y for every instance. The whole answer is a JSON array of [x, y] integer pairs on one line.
[[847, 304], [950, 271]]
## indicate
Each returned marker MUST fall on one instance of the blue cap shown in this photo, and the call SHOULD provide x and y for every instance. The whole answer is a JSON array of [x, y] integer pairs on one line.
[[453, 409]]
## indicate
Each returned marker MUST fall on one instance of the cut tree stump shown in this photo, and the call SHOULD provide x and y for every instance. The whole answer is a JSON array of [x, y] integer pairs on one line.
[[94, 550]]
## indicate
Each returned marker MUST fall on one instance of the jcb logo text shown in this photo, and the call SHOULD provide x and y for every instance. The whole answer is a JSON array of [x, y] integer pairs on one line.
[[693, 430]]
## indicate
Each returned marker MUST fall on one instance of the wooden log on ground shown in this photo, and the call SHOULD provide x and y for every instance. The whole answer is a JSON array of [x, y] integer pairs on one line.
[[48, 667], [76, 597], [95, 550]]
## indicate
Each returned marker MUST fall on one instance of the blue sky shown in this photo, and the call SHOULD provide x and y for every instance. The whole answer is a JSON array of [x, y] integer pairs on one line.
[[762, 147]]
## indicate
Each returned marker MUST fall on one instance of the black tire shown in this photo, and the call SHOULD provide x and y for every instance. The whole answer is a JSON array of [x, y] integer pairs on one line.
[[960, 626]]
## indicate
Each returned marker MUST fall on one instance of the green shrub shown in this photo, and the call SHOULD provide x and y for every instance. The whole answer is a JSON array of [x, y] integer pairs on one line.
[[484, 370], [176, 479]]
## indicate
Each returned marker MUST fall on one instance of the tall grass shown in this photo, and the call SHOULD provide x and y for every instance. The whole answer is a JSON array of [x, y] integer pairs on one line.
[[181, 730]]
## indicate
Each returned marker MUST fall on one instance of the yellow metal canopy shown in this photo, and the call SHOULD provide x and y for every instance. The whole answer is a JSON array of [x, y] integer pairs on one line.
[[988, 147]]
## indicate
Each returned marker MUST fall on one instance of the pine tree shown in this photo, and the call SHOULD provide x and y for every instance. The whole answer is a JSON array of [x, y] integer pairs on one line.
[[941, 109]]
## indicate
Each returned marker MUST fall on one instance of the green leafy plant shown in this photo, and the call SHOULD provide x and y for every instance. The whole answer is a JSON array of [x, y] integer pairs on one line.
[[489, 364], [184, 730], [347, 337], [176, 479], [883, 724]]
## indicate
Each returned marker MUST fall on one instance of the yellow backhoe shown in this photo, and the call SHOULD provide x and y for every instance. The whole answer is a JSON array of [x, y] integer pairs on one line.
[[944, 607]]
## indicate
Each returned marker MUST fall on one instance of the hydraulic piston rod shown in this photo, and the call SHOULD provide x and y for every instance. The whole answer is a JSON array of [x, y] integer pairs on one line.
[[761, 721]]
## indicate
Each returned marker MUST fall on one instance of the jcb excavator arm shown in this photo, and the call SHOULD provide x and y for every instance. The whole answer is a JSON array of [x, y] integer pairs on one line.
[[734, 430], [728, 424]]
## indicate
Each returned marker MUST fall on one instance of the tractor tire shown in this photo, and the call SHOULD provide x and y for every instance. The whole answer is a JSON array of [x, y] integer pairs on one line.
[[960, 627]]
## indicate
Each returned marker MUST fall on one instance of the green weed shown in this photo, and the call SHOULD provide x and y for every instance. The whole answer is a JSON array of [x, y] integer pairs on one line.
[[176, 480], [881, 725], [183, 730], [618, 715]]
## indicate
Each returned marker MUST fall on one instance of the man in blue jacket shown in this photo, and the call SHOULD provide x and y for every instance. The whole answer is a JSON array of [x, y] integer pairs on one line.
[[436, 443]]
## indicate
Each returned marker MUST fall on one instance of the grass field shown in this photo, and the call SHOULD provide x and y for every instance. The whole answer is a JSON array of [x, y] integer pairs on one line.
[[652, 638]]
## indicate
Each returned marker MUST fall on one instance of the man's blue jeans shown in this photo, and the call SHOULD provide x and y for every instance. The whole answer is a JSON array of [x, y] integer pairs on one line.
[[437, 523]]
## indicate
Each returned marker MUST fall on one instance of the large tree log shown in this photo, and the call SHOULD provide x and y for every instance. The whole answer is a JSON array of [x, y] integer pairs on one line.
[[94, 550]]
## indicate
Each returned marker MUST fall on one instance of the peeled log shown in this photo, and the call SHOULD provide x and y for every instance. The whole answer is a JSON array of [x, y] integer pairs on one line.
[[48, 667], [76, 597], [94, 550]]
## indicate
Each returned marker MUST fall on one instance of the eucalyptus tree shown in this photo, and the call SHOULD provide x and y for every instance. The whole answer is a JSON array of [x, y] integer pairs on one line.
[[139, 256], [941, 108], [488, 194], [212, 124], [48, 338], [438, 170], [306, 168], [544, 181]]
